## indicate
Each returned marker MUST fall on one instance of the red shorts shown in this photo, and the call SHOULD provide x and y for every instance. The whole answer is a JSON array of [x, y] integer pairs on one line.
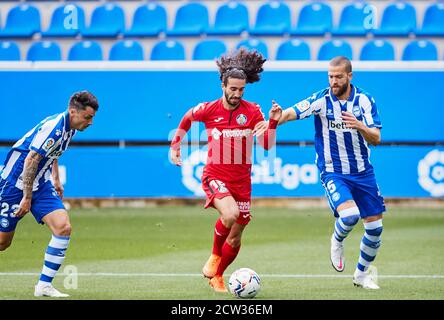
[[241, 192]]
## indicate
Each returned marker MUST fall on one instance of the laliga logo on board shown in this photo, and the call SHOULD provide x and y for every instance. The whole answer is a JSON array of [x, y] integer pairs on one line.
[[431, 173], [192, 168]]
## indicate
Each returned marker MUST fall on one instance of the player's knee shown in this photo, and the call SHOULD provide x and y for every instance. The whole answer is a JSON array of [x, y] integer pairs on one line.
[[63, 230], [230, 216], [351, 220], [4, 244], [235, 241]]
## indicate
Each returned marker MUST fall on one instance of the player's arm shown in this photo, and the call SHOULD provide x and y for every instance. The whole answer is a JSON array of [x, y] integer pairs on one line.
[[184, 126], [56, 178], [371, 135], [31, 165], [268, 139]]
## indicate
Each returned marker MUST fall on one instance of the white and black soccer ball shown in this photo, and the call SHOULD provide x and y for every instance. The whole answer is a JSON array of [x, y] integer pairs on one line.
[[244, 283]]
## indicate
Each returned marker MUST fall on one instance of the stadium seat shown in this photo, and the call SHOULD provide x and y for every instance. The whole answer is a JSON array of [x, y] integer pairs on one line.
[[433, 24], [420, 50], [191, 20], [85, 50], [209, 49], [149, 21], [9, 50], [254, 44], [168, 50], [107, 20], [315, 19], [68, 20], [273, 18], [126, 50], [333, 48], [353, 20], [294, 49], [377, 50], [22, 21], [232, 18], [44, 51], [398, 19]]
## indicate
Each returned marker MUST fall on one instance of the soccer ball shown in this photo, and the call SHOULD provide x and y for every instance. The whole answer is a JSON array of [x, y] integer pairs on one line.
[[244, 283]]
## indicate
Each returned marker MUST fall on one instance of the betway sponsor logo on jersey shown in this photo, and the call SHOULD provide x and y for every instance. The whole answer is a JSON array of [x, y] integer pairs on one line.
[[338, 126], [230, 133]]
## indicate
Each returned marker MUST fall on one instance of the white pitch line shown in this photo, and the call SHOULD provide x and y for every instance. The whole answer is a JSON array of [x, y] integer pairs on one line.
[[300, 276]]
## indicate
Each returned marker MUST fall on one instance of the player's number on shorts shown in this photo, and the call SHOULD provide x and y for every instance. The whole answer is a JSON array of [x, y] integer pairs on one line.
[[331, 186], [5, 209]]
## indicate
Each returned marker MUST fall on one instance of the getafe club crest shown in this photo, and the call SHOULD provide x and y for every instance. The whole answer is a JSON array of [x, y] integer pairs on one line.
[[241, 119]]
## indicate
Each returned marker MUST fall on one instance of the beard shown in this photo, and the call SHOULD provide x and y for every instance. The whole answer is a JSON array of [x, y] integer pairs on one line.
[[339, 91], [232, 101]]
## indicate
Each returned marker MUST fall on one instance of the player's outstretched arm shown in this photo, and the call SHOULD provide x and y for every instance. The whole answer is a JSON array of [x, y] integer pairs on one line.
[[31, 165], [184, 126], [265, 131]]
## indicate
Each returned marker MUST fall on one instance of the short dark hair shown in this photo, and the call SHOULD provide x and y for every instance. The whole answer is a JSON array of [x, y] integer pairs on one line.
[[243, 64], [341, 60], [83, 99]]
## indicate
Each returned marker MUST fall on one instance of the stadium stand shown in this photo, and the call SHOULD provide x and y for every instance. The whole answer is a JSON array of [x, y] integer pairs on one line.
[[128, 50], [420, 50], [377, 50], [232, 18], [273, 18], [271, 22], [333, 48], [168, 50], [86, 50], [293, 49], [254, 44], [9, 51], [209, 49], [44, 51], [149, 20]]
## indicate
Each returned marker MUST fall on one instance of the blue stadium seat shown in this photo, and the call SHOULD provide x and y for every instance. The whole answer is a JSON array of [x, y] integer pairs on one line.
[[168, 50], [22, 21], [232, 18], [315, 19], [149, 21], [273, 18], [209, 49], [107, 20], [126, 50], [293, 49], [353, 20], [68, 20], [254, 44], [333, 48], [191, 20], [398, 19], [377, 50], [44, 51], [9, 50], [85, 50], [433, 24], [420, 50]]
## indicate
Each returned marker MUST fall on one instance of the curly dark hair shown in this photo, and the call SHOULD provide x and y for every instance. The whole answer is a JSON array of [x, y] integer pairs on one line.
[[242, 64], [82, 99]]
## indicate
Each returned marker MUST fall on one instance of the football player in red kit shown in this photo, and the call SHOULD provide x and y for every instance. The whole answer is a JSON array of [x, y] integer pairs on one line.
[[226, 177]]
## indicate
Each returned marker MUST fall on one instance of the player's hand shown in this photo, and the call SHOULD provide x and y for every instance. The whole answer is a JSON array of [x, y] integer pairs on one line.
[[350, 121], [24, 207], [175, 157], [260, 128], [275, 111], [58, 186]]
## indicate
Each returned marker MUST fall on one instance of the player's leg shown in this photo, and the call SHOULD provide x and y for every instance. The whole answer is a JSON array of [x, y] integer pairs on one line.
[[47, 208], [346, 213], [6, 239], [371, 204]]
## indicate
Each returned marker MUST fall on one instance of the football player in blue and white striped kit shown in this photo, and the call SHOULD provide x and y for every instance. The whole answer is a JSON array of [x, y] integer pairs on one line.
[[346, 121], [29, 181]]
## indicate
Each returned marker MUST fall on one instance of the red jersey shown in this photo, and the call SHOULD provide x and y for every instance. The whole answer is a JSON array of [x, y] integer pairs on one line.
[[230, 138]]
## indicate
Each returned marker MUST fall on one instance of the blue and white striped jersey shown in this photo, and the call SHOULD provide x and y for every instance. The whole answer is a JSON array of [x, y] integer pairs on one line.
[[339, 149], [50, 138]]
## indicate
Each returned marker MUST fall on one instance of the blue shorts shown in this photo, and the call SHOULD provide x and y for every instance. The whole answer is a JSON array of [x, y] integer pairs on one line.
[[45, 200], [362, 188]]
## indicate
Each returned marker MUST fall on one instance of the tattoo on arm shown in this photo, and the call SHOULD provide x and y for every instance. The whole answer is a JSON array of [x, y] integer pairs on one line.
[[31, 164]]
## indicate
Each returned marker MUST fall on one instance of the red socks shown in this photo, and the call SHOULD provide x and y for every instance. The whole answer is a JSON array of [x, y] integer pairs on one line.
[[220, 234], [228, 255]]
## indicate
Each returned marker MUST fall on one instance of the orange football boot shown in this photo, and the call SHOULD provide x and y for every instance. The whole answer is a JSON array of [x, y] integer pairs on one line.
[[217, 282], [210, 267]]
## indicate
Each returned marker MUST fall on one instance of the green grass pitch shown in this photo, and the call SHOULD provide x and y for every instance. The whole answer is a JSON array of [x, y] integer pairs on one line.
[[158, 253]]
